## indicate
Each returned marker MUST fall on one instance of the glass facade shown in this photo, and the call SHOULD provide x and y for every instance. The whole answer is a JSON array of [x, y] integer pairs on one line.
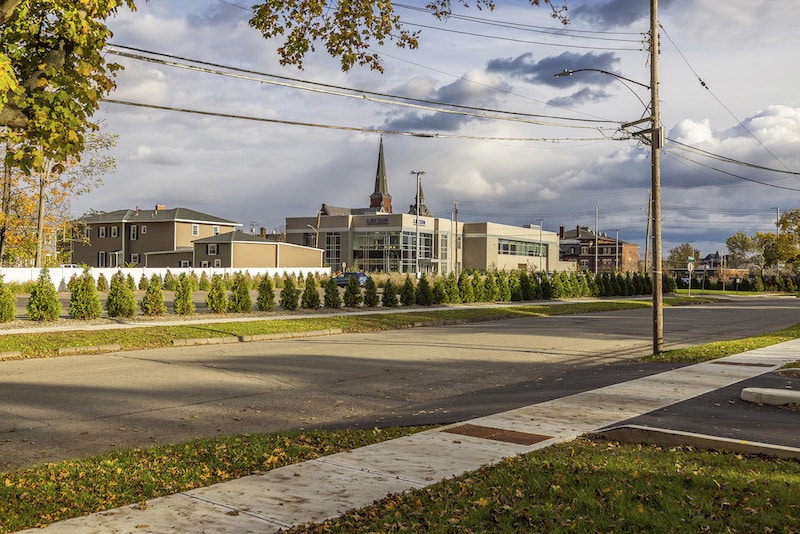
[[392, 251], [333, 250], [512, 247]]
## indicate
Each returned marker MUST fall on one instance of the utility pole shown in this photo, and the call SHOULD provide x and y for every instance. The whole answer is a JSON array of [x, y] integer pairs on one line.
[[456, 243], [655, 147], [596, 232], [616, 251]]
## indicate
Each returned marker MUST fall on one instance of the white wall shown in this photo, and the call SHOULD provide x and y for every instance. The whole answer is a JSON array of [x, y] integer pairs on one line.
[[61, 275]]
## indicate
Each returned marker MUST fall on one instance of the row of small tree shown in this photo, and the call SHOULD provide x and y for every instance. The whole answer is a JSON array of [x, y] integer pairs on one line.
[[232, 294]]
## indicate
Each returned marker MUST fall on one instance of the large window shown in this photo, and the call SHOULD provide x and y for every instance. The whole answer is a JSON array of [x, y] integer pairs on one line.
[[392, 251], [333, 250], [512, 247]]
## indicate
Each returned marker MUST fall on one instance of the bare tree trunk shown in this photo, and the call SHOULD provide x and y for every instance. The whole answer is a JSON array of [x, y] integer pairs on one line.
[[6, 206], [44, 178]]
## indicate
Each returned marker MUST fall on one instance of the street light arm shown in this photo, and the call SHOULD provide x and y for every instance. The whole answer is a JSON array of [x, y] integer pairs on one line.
[[568, 72]]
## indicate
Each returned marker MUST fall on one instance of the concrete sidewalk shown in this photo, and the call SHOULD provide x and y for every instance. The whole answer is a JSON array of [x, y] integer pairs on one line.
[[327, 487]]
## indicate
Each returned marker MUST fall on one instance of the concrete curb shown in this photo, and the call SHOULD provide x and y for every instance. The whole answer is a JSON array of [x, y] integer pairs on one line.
[[774, 397], [92, 348], [674, 438], [256, 337]]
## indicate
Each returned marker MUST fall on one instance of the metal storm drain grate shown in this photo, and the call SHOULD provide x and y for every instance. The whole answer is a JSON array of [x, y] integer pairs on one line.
[[497, 434], [747, 364]]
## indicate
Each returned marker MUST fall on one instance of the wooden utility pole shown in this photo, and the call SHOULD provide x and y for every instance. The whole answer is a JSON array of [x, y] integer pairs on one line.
[[656, 138]]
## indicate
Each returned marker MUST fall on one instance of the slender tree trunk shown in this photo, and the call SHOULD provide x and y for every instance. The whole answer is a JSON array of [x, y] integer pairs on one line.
[[6, 206], [44, 178]]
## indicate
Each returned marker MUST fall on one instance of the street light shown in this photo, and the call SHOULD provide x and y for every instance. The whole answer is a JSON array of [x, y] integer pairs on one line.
[[316, 236], [416, 259], [656, 141]]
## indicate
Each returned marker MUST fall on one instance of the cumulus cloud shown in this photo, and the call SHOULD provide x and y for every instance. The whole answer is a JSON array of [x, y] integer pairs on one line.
[[475, 89], [543, 71]]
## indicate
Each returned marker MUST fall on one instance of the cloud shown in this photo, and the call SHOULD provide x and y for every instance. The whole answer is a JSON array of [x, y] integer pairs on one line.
[[476, 88], [583, 96], [543, 71], [614, 13]]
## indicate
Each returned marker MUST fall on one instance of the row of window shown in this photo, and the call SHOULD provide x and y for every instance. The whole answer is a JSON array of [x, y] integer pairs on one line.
[[512, 247], [113, 231], [102, 261]]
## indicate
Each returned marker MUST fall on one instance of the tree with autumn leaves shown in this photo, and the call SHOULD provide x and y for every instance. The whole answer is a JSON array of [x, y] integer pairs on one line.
[[764, 251], [52, 77]]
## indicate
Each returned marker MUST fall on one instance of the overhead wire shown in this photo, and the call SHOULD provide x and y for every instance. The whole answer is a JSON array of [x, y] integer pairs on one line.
[[334, 90], [720, 102]]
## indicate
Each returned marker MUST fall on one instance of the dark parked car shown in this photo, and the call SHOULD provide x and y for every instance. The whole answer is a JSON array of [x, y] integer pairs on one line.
[[341, 280]]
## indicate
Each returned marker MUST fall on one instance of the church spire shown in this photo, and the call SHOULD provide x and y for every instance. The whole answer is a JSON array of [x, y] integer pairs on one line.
[[423, 209], [381, 198]]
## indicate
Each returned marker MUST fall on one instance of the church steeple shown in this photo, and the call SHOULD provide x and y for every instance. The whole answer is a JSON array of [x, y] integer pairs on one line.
[[381, 198], [423, 209]]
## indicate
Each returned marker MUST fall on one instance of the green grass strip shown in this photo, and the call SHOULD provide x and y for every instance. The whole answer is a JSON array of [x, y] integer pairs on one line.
[[594, 486], [46, 344], [43, 494], [720, 349]]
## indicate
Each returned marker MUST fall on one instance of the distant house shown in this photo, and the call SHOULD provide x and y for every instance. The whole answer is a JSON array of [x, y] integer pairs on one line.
[[597, 252], [240, 250], [144, 238]]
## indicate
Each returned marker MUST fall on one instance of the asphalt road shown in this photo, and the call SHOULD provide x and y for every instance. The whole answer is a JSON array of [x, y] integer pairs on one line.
[[52, 409]]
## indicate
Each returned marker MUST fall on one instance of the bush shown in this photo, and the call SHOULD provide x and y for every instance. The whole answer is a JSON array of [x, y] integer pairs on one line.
[[102, 283], [8, 303], [453, 294], [311, 298], [439, 291], [266, 296], [84, 300], [492, 292], [239, 300], [332, 297], [424, 295], [389, 297], [290, 295], [408, 292], [153, 300], [143, 283], [465, 288], [183, 295], [43, 304], [170, 282], [217, 299], [371, 299], [204, 284], [352, 293], [121, 301]]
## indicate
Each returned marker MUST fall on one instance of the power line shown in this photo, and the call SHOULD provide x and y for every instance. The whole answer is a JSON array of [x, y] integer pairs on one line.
[[707, 88], [345, 128], [355, 93]]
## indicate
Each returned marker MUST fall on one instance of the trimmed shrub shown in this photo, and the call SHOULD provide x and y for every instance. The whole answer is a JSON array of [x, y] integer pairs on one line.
[[453, 294], [43, 304], [389, 296], [266, 296], [170, 282], [204, 284], [439, 291], [183, 296], [290, 295], [102, 283], [239, 300], [217, 298], [143, 283], [490, 289], [311, 299], [371, 299], [8, 303], [121, 301], [465, 288], [153, 301], [84, 300], [423, 295], [503, 289], [408, 295], [352, 293], [332, 297]]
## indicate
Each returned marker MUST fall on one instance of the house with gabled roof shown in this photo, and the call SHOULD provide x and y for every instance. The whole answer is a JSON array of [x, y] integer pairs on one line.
[[160, 237]]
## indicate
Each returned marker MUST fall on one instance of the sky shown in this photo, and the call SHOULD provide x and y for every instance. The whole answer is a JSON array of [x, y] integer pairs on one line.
[[727, 87]]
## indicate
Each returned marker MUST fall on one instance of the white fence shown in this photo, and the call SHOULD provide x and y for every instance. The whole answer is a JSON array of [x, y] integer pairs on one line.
[[62, 275]]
